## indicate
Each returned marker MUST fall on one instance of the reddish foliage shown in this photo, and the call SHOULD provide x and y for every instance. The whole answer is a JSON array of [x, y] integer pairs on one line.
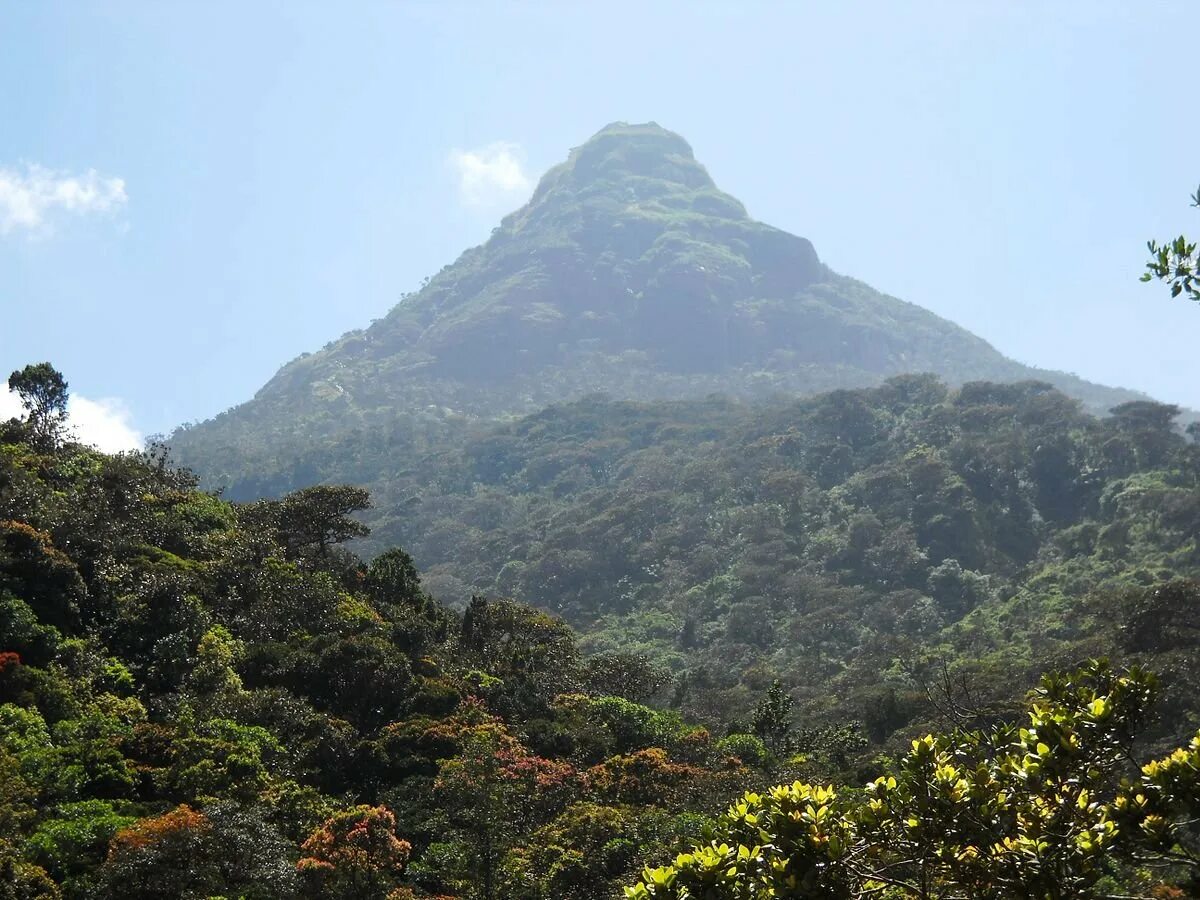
[[536, 771], [354, 844], [650, 776], [182, 821], [7, 659]]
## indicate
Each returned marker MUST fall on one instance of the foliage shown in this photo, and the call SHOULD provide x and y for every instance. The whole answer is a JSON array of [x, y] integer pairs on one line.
[[495, 790], [199, 699], [772, 719], [1176, 263], [836, 544], [1052, 809], [354, 854], [43, 393], [202, 699]]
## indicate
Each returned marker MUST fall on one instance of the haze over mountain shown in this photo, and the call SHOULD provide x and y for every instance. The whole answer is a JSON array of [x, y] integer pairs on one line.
[[628, 272]]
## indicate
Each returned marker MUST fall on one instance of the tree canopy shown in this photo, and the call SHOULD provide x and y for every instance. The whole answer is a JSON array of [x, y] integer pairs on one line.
[[201, 699]]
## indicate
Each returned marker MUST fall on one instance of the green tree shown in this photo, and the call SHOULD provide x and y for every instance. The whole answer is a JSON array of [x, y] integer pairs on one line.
[[43, 392], [319, 516], [20, 880], [1176, 263], [533, 652], [772, 720], [392, 578], [633, 676], [311, 520], [74, 839]]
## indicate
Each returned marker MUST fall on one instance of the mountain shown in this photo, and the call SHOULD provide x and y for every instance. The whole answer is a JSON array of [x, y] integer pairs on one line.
[[628, 272]]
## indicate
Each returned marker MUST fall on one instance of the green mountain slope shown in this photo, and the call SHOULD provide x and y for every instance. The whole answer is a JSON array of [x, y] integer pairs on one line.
[[628, 272], [834, 542], [205, 699]]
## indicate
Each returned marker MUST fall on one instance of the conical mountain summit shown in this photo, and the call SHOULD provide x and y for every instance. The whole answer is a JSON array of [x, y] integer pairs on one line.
[[628, 272]]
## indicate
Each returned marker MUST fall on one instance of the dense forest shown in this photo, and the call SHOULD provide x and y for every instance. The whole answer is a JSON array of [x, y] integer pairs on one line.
[[844, 544], [205, 699], [199, 699]]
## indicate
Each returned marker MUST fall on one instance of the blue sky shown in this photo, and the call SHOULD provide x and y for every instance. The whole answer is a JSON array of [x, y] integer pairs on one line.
[[191, 194]]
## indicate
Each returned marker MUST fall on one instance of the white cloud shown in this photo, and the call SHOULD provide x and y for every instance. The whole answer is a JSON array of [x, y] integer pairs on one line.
[[105, 424], [491, 175], [30, 200]]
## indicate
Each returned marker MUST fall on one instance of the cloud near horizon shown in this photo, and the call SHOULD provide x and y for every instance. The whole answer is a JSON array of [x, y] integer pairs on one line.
[[106, 424], [491, 175], [33, 198]]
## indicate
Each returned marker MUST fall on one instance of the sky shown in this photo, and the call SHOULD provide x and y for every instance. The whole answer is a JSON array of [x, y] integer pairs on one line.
[[194, 193]]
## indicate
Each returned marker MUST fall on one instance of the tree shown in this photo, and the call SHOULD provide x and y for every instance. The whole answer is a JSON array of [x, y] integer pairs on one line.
[[1176, 263], [1052, 810], [354, 854], [633, 676], [73, 840], [223, 851], [32, 568], [392, 578], [20, 880], [772, 719], [1162, 617], [533, 652], [312, 519], [43, 392], [494, 790]]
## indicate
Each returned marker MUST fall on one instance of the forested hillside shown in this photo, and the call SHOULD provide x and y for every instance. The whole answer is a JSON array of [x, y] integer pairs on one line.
[[628, 272], [838, 543], [767, 553], [200, 699]]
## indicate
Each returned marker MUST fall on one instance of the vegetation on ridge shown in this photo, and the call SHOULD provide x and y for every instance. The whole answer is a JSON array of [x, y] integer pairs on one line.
[[843, 544]]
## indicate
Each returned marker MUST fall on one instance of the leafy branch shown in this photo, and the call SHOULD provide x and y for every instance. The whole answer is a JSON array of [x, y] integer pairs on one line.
[[1176, 262]]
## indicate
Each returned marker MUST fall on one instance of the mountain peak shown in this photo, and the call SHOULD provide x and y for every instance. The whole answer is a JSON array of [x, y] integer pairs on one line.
[[646, 150], [644, 159]]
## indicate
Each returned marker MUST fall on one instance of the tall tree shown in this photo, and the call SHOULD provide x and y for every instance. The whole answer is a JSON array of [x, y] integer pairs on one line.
[[773, 719], [43, 392]]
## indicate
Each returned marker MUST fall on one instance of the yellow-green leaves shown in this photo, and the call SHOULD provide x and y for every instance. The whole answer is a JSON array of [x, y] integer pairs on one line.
[[1038, 811]]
